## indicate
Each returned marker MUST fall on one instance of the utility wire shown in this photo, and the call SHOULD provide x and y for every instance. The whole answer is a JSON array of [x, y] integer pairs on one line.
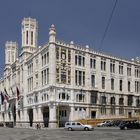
[[108, 23]]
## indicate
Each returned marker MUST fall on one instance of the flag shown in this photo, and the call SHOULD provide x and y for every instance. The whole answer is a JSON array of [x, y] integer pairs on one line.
[[2, 98], [18, 93], [6, 95]]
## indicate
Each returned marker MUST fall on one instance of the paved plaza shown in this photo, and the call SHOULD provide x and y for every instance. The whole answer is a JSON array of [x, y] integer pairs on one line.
[[61, 134]]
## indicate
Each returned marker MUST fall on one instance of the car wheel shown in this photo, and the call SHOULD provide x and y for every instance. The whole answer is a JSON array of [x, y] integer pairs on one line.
[[86, 128], [125, 128], [69, 129]]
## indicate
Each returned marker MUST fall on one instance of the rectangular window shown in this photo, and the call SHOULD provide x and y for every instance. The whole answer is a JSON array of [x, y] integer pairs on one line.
[[26, 37], [103, 110], [45, 79], [137, 86], [128, 70], [42, 75], [93, 81], [112, 66], [93, 63], [112, 111], [79, 60], [83, 61], [83, 78], [137, 72], [103, 100], [121, 85], [121, 111], [80, 78], [112, 84], [103, 64], [47, 57], [42, 58], [129, 86], [69, 56], [90, 63], [69, 76], [75, 59], [76, 75], [47, 75], [93, 97], [103, 82], [130, 100], [121, 68], [31, 37]]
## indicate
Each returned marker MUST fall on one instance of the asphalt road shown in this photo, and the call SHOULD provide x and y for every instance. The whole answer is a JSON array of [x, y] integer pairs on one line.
[[61, 134]]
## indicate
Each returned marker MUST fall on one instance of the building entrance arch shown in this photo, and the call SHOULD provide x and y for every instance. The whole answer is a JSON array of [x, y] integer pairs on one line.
[[30, 113], [45, 112]]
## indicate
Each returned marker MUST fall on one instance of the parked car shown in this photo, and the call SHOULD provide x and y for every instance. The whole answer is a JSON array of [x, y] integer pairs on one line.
[[77, 126], [103, 124], [129, 125], [116, 122], [1, 125]]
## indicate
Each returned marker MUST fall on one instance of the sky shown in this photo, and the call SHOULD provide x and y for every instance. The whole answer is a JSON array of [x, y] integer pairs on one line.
[[81, 21]]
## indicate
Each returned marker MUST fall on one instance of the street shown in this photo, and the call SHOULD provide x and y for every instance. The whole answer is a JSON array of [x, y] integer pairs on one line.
[[61, 134]]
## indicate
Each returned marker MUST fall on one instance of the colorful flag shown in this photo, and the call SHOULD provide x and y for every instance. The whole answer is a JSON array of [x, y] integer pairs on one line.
[[18, 93], [6, 95]]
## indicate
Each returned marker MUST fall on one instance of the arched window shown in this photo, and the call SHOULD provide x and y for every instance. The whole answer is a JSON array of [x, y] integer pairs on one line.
[[30, 100], [103, 100], [103, 82], [80, 98], [121, 101], [137, 102], [112, 100], [45, 97], [36, 98], [64, 96]]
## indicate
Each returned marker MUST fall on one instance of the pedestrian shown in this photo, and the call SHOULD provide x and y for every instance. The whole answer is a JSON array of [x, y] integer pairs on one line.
[[38, 126]]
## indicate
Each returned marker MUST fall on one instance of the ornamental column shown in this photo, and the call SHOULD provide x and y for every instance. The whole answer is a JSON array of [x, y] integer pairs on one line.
[[52, 56], [72, 113], [40, 115], [52, 116], [26, 117]]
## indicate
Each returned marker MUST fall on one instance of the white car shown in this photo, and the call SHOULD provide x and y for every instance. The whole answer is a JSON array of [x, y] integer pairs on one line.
[[102, 124], [77, 126]]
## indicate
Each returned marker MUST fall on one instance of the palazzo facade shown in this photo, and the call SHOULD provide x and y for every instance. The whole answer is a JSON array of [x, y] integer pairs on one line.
[[61, 82]]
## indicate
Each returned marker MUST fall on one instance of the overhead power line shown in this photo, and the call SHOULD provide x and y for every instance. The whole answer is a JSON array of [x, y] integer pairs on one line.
[[108, 24]]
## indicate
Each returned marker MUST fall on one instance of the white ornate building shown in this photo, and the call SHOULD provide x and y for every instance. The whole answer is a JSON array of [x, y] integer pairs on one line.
[[61, 81]]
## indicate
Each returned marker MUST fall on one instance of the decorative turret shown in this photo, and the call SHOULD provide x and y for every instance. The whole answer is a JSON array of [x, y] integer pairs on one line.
[[10, 52], [52, 34], [29, 34]]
